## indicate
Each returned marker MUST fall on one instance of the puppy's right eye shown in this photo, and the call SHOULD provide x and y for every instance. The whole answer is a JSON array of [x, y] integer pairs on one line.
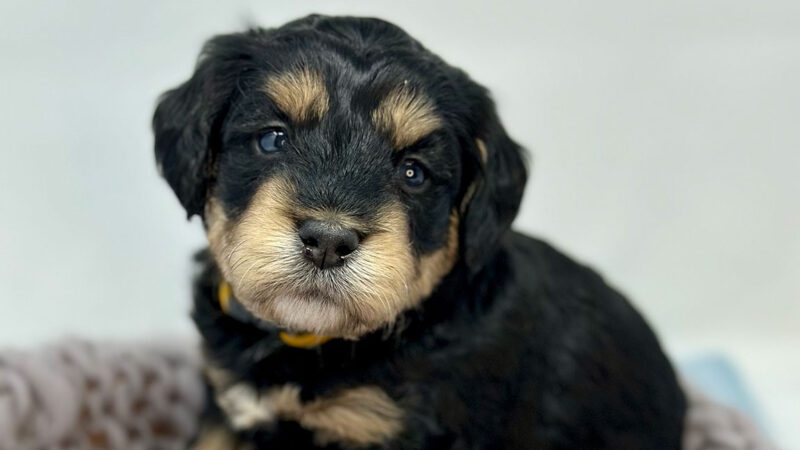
[[272, 140], [412, 173]]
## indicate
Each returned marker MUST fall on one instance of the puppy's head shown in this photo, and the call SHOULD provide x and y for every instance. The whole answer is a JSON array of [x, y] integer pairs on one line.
[[341, 170]]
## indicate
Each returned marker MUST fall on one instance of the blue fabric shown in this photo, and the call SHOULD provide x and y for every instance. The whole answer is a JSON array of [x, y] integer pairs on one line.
[[714, 375]]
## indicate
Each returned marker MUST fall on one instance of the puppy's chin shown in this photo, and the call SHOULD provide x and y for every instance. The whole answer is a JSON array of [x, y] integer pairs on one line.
[[313, 314], [343, 302]]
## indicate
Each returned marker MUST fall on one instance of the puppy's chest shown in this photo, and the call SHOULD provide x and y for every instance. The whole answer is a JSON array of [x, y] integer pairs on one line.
[[347, 414]]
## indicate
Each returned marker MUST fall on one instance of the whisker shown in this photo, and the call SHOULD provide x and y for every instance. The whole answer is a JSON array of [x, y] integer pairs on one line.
[[247, 271], [230, 254]]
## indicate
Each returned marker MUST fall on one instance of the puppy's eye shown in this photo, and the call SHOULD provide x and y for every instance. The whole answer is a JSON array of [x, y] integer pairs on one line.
[[272, 140], [412, 173]]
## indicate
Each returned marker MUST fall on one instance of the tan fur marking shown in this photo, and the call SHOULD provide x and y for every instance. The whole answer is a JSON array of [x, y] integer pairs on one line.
[[217, 377], [484, 155], [285, 401], [407, 116], [358, 417], [435, 265], [482, 150], [238, 246], [361, 416], [217, 438], [468, 196], [216, 223], [300, 94]]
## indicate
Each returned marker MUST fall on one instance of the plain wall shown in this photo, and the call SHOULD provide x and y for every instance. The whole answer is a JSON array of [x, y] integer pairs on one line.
[[664, 139]]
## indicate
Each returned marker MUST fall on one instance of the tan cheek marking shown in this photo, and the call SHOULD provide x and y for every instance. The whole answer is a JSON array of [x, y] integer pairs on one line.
[[236, 246], [216, 223], [434, 266], [300, 94], [406, 116], [386, 268], [396, 276]]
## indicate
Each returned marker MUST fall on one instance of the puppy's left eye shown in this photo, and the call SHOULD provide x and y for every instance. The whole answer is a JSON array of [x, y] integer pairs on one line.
[[412, 173], [272, 140]]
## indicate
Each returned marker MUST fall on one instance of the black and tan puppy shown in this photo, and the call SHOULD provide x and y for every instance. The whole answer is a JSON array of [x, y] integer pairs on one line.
[[363, 288]]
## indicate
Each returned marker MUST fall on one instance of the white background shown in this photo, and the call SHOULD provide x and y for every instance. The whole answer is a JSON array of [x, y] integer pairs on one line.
[[664, 139]]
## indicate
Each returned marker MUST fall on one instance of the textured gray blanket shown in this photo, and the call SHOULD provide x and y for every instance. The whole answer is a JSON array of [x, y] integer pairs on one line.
[[92, 395]]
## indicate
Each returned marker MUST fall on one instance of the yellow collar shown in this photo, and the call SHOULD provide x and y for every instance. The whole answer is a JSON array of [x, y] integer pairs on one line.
[[292, 340]]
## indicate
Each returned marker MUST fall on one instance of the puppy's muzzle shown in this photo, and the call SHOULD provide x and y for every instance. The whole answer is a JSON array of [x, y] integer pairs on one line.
[[325, 244]]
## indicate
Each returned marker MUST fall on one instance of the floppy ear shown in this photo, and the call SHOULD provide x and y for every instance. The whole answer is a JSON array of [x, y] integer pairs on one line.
[[495, 176], [187, 120]]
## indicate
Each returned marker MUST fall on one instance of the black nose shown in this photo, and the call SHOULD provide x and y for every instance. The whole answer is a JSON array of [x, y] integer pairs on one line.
[[325, 244]]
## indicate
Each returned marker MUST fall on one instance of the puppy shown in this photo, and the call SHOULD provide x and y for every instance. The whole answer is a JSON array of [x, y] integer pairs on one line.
[[362, 287]]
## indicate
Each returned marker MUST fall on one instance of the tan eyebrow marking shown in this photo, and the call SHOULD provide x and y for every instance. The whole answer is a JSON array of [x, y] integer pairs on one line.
[[406, 116], [300, 94]]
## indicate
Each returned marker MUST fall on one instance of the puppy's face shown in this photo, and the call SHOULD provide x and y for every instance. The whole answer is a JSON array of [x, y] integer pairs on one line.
[[337, 165], [332, 209]]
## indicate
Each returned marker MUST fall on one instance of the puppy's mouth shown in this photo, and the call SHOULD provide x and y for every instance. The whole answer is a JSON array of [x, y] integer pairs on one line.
[[347, 297], [343, 301]]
